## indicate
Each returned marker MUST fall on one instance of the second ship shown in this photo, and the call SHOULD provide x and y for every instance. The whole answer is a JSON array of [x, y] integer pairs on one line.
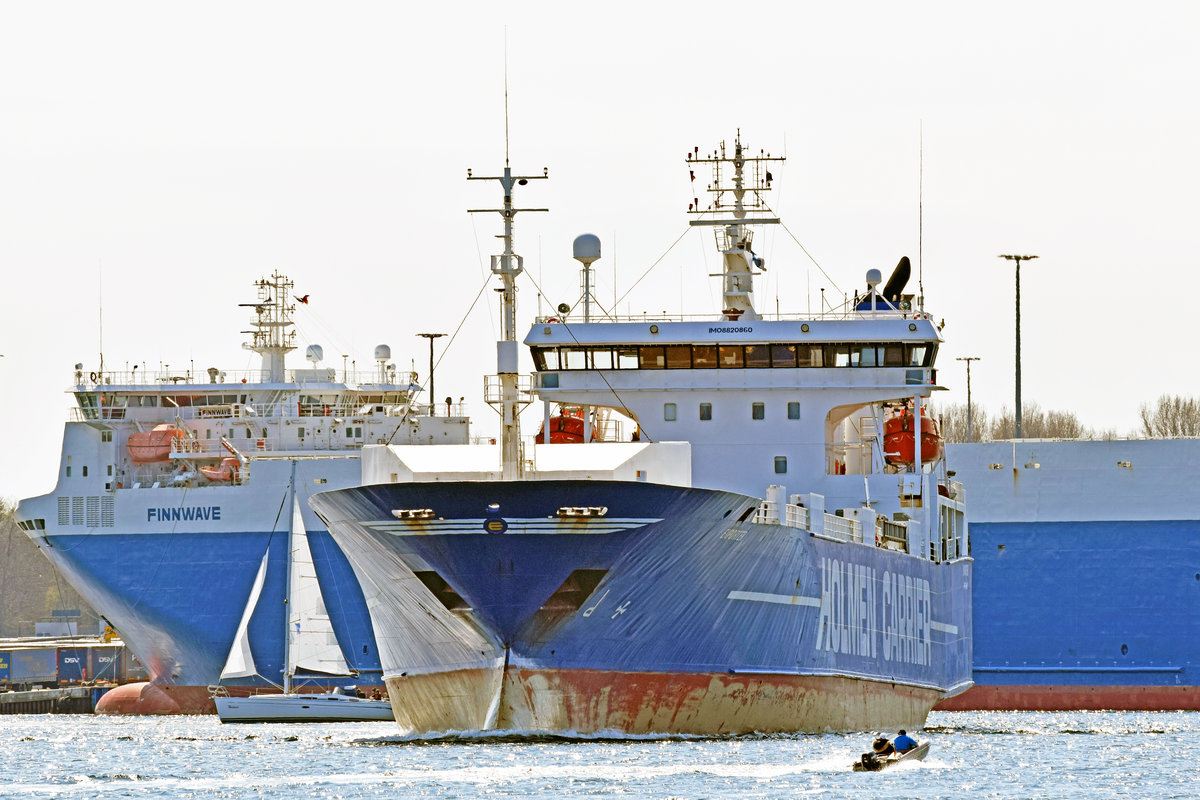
[[778, 548]]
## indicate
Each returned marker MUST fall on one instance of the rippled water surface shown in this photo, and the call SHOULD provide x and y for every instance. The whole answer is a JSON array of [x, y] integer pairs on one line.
[[978, 755]]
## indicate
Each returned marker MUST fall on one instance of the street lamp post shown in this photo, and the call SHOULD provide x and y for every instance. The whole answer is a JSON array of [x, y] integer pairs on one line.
[[1017, 260], [968, 359], [432, 396]]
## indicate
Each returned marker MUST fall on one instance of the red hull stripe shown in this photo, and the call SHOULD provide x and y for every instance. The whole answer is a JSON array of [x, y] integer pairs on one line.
[[1074, 698]]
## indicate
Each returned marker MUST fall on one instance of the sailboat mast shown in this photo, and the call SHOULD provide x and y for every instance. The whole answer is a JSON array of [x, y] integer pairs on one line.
[[287, 591]]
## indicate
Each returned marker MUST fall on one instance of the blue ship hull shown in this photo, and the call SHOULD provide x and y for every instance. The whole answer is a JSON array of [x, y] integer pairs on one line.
[[1087, 571], [670, 611], [177, 599]]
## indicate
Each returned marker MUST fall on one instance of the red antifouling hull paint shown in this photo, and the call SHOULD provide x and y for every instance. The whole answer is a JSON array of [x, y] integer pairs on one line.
[[1074, 698]]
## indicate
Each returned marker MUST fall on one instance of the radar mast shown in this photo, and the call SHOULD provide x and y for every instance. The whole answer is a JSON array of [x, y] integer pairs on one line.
[[271, 337], [736, 202], [508, 265]]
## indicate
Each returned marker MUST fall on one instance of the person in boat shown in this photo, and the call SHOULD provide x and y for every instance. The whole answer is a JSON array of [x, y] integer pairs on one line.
[[903, 743], [882, 747]]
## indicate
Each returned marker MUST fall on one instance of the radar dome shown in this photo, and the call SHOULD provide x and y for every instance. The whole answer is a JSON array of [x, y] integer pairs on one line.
[[874, 277], [586, 248], [383, 353], [314, 353]]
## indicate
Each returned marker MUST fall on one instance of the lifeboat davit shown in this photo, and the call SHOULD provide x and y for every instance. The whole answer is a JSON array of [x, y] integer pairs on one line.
[[899, 442], [152, 447], [566, 427], [225, 473]]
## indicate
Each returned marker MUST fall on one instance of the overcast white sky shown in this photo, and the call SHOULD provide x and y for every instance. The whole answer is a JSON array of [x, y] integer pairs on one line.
[[183, 151]]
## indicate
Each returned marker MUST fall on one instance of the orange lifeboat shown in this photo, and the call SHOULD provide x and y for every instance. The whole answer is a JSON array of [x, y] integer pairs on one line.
[[899, 442], [227, 472], [566, 427], [154, 446]]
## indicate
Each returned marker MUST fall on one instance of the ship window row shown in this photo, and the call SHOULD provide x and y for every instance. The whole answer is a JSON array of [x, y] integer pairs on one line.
[[758, 411], [734, 356]]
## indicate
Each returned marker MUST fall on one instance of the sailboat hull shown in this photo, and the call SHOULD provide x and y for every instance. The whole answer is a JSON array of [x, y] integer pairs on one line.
[[302, 708]]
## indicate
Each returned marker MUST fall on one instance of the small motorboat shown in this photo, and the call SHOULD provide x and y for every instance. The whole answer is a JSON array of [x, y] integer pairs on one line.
[[873, 762]]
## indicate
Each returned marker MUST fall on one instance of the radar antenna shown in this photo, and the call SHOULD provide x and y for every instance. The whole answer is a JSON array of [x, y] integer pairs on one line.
[[736, 202]]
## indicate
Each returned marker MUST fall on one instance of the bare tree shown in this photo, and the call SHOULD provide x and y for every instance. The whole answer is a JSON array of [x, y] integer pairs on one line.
[[953, 419], [1038, 424], [1171, 416]]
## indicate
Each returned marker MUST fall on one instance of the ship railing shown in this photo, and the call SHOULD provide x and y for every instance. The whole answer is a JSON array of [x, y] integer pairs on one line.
[[891, 535], [795, 516], [847, 530], [493, 389], [83, 379], [432, 410], [647, 317], [767, 513]]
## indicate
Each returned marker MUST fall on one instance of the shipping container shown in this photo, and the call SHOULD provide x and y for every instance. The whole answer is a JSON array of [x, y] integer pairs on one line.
[[107, 664], [31, 667], [72, 665]]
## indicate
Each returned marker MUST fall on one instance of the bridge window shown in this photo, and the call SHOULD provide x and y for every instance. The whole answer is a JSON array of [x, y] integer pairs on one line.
[[793, 410], [783, 355], [651, 358], [732, 356], [704, 356], [810, 355], [669, 412], [780, 465], [573, 358], [758, 356], [602, 359], [679, 356], [758, 411], [839, 355], [684, 356], [627, 358], [705, 412]]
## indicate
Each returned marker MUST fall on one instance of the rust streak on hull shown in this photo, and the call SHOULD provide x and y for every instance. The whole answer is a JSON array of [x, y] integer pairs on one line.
[[588, 701]]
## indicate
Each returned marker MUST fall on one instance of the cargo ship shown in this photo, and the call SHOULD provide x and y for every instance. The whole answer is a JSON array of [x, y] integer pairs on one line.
[[174, 489], [735, 522], [1087, 580]]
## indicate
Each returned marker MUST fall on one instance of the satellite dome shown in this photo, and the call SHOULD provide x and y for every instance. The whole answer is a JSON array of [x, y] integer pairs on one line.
[[383, 353], [314, 353], [586, 248], [874, 277]]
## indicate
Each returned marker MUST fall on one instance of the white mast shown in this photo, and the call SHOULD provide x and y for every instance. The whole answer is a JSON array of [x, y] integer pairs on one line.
[[273, 317], [508, 266], [734, 238]]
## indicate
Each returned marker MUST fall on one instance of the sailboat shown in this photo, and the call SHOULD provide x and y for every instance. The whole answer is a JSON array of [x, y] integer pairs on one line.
[[310, 645]]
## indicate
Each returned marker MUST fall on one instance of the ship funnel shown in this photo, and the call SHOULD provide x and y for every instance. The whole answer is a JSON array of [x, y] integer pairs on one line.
[[383, 353], [586, 248], [314, 353], [897, 280]]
